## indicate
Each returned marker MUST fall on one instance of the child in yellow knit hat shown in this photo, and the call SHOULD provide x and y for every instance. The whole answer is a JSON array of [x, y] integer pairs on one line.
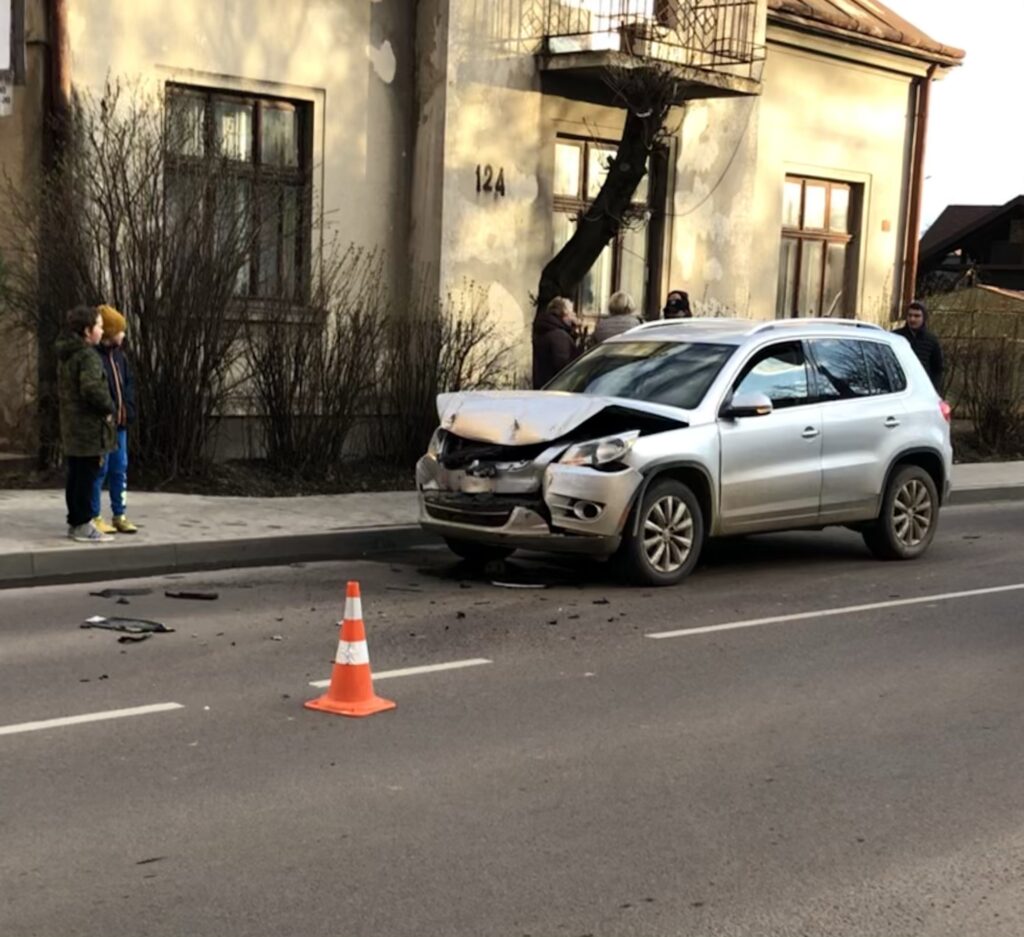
[[121, 384]]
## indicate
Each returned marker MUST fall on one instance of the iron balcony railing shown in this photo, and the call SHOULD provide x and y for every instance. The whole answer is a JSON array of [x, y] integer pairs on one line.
[[706, 34]]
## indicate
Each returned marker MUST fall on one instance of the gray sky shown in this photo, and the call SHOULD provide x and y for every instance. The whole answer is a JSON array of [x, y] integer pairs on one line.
[[975, 149]]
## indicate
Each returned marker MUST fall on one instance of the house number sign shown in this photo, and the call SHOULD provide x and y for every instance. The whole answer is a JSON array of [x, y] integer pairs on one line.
[[490, 180]]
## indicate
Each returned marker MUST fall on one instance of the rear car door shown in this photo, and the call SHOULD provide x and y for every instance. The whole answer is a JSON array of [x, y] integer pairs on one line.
[[771, 465], [863, 411]]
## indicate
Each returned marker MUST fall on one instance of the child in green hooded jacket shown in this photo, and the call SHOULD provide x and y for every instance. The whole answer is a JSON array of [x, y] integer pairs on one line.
[[86, 417]]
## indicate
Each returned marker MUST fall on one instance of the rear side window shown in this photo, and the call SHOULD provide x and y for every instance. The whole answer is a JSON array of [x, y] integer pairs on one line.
[[897, 379], [841, 369], [779, 372]]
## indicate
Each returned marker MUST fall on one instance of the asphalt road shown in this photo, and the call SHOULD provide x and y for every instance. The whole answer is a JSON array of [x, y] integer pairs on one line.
[[852, 773]]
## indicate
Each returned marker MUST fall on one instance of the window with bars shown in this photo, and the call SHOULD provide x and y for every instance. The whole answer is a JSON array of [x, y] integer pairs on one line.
[[580, 170], [265, 145], [818, 252]]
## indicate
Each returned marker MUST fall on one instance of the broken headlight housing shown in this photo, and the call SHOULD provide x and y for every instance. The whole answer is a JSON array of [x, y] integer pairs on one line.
[[436, 445], [595, 452]]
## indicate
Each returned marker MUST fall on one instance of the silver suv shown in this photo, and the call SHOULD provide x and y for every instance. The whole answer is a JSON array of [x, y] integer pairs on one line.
[[677, 431]]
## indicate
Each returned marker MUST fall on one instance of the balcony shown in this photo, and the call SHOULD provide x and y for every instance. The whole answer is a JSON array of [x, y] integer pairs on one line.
[[710, 45]]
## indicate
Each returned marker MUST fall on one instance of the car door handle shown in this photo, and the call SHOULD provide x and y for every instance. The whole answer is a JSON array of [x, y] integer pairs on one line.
[[810, 432], [891, 422]]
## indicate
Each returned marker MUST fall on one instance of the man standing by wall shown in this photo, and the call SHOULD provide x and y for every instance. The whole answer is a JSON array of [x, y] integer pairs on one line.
[[924, 342]]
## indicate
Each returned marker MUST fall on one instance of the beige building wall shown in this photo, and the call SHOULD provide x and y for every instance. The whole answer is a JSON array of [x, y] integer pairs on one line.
[[352, 60]]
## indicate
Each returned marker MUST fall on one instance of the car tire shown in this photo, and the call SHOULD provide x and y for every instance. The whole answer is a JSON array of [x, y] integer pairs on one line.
[[477, 554], [909, 516], [665, 535]]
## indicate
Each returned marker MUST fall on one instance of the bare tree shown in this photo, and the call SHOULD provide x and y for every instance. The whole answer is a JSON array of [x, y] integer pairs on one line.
[[437, 346], [125, 217], [647, 91], [313, 371]]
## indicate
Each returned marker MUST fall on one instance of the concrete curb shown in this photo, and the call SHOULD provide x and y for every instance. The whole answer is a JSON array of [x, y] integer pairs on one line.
[[91, 563], [986, 495]]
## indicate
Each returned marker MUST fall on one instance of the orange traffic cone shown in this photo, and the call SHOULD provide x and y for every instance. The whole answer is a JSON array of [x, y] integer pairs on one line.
[[351, 689]]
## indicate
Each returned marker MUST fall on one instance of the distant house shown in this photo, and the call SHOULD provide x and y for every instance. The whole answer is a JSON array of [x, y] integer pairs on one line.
[[974, 244]]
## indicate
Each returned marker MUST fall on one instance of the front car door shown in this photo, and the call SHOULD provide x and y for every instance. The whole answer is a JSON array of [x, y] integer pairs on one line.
[[771, 465], [863, 411]]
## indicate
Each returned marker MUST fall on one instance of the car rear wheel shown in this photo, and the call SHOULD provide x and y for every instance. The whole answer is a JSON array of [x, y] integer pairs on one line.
[[477, 554], [664, 541], [910, 514]]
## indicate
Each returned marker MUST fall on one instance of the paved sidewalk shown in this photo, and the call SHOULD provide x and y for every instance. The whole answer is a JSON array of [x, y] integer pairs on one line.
[[187, 532]]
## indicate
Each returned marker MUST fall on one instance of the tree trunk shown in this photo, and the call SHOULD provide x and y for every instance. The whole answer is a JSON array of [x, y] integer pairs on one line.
[[602, 221]]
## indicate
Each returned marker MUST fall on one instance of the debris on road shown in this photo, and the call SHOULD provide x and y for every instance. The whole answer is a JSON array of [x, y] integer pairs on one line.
[[198, 596], [519, 585], [120, 593], [134, 638], [131, 625]]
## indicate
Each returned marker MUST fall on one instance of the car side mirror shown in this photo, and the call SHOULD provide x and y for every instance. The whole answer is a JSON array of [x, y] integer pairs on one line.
[[741, 405]]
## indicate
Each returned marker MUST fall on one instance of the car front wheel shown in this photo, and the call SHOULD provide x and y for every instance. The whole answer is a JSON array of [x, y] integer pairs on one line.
[[664, 542], [910, 514]]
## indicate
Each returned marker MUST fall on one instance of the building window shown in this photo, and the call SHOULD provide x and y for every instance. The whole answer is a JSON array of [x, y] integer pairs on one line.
[[817, 257], [265, 144], [580, 170]]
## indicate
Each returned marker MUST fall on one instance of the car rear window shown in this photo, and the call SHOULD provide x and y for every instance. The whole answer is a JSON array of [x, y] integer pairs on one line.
[[674, 373]]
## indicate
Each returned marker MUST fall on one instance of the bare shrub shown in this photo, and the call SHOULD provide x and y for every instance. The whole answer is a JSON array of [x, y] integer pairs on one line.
[[438, 346], [125, 217], [312, 374], [984, 354]]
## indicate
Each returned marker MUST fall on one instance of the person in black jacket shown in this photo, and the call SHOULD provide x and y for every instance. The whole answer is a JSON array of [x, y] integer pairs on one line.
[[924, 342], [555, 340]]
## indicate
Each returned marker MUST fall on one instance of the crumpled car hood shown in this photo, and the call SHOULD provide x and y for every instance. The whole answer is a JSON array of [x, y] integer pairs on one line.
[[523, 418]]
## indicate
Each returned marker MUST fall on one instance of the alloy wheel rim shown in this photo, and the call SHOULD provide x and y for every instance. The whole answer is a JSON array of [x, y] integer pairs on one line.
[[668, 534], [912, 513]]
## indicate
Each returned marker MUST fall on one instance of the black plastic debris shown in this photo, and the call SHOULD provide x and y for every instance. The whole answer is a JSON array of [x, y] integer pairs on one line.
[[198, 596], [130, 625], [134, 638], [119, 593]]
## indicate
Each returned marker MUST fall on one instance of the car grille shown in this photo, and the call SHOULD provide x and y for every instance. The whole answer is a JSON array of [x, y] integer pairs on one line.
[[478, 510]]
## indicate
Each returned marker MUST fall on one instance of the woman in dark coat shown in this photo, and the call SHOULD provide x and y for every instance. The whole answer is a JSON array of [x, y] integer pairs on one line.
[[555, 341]]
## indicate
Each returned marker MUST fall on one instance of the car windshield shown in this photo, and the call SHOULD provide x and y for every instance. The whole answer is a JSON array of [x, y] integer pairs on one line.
[[674, 373]]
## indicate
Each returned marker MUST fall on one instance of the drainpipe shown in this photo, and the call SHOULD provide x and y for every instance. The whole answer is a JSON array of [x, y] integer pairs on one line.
[[911, 249], [59, 97]]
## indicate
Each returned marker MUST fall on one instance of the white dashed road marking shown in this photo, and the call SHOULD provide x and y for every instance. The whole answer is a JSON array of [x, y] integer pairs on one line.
[[412, 671], [88, 717], [829, 612]]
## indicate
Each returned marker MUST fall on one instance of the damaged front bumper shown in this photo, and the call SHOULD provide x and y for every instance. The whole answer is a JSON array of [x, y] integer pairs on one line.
[[532, 505]]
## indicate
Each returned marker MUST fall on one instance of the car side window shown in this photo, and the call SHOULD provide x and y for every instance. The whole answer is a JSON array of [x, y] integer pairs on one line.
[[779, 372], [841, 369], [897, 379], [879, 374]]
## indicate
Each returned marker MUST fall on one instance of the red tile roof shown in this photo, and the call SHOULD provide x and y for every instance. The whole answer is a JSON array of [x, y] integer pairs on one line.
[[868, 19]]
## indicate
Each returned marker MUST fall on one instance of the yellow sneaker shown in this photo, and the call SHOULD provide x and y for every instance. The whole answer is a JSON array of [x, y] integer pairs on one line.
[[124, 526], [102, 526]]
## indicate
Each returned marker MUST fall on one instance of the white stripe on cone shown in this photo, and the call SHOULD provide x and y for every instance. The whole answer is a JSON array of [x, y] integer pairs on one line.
[[353, 609], [352, 652]]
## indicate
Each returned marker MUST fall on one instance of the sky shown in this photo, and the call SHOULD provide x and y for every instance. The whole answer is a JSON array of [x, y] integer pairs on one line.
[[975, 149]]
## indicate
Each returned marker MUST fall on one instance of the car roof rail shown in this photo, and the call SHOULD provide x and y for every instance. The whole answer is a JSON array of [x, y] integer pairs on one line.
[[655, 323], [797, 323]]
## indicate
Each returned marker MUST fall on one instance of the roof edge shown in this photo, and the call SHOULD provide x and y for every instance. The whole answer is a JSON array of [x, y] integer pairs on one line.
[[938, 54]]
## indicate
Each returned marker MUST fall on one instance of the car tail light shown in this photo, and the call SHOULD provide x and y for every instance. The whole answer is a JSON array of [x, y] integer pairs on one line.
[[946, 410]]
